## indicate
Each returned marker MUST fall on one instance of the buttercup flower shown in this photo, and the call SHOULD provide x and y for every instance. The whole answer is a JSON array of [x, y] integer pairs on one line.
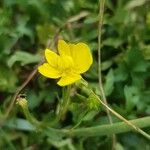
[[73, 60]]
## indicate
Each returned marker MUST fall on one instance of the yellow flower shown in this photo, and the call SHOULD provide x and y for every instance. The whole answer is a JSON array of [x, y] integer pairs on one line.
[[73, 60]]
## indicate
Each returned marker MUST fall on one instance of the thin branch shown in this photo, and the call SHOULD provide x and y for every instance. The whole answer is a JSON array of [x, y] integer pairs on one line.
[[123, 119], [88, 91], [31, 75], [77, 17], [25, 83], [101, 14]]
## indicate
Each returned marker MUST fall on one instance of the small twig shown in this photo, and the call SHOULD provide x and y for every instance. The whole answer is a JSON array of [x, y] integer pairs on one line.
[[123, 119], [31, 75], [29, 78], [77, 17], [101, 14], [69, 21], [55, 38], [83, 85]]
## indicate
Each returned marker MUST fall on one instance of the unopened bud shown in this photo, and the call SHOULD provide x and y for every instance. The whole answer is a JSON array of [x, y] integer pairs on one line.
[[22, 102]]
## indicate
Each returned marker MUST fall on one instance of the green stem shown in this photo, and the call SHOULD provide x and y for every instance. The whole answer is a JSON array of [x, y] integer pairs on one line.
[[100, 130], [119, 127], [91, 131], [30, 117], [64, 103], [22, 102]]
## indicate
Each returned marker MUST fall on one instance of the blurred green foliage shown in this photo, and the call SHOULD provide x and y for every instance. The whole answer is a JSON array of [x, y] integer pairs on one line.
[[26, 28]]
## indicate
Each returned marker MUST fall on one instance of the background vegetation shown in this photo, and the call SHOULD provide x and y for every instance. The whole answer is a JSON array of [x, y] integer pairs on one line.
[[27, 27]]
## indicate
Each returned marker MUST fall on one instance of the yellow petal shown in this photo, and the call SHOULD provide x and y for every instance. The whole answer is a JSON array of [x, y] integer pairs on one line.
[[69, 79], [63, 48], [48, 71], [82, 57], [51, 57]]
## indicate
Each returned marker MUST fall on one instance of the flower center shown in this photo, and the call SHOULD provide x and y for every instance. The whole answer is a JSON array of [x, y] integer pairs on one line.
[[65, 64]]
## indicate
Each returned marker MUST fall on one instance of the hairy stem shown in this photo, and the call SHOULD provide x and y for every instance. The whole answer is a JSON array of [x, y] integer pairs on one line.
[[119, 127], [64, 102], [92, 131]]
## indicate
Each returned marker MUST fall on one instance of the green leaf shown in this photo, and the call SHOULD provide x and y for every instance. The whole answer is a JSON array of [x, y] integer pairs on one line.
[[132, 96], [135, 3], [146, 52], [24, 58], [115, 42], [20, 124], [135, 61], [106, 64], [109, 83], [8, 79], [22, 28], [45, 32], [121, 73], [90, 115]]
